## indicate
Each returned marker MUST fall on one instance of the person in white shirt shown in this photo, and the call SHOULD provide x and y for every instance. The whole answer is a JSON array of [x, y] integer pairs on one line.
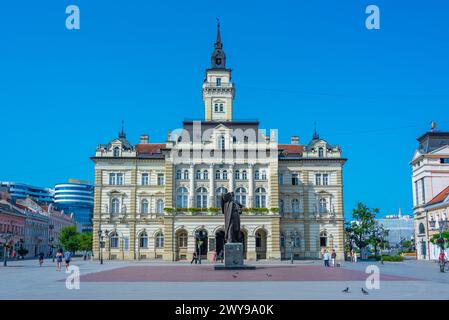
[[326, 258]]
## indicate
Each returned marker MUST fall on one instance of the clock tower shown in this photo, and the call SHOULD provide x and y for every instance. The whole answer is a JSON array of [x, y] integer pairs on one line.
[[218, 90]]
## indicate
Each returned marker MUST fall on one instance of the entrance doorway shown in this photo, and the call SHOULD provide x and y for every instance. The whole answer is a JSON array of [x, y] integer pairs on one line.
[[219, 242], [201, 243], [261, 244]]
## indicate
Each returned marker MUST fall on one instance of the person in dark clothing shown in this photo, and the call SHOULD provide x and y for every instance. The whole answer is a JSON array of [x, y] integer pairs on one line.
[[41, 259], [194, 258]]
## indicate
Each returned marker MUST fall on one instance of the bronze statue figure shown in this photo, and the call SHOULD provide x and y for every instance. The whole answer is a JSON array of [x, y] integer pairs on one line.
[[232, 211]]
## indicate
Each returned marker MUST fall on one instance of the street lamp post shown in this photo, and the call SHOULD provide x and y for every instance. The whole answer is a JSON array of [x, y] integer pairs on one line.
[[51, 239], [101, 242], [293, 236]]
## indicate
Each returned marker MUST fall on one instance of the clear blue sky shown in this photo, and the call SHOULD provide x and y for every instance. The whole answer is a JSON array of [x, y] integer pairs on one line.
[[371, 92]]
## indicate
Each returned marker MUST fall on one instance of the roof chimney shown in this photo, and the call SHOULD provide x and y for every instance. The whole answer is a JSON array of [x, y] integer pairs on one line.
[[144, 138], [295, 140]]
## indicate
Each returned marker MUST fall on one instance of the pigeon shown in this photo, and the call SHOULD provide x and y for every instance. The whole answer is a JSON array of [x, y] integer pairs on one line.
[[268, 275], [364, 291], [346, 290], [234, 276]]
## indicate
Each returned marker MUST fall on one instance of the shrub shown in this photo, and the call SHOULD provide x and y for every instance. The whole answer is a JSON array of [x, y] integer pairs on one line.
[[393, 258]]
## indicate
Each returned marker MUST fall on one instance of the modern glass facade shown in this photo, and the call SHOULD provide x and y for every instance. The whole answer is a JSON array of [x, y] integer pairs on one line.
[[43, 196], [76, 198]]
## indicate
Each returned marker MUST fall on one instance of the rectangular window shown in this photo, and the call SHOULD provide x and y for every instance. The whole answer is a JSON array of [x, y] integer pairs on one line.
[[218, 82], [119, 179], [416, 193], [423, 191], [160, 179], [318, 179], [145, 179], [125, 243], [444, 160], [295, 179], [281, 179], [112, 179], [325, 179]]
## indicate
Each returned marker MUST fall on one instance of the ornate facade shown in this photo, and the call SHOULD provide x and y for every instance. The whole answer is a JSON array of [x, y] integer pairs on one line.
[[153, 198]]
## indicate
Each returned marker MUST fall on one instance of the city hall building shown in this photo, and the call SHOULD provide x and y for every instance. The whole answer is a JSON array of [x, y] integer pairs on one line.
[[153, 199]]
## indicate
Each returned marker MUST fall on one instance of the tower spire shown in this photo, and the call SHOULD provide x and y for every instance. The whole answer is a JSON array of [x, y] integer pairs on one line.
[[315, 133], [218, 44], [122, 133]]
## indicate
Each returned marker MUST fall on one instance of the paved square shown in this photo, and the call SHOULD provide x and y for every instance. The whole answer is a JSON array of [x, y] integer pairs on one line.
[[180, 281]]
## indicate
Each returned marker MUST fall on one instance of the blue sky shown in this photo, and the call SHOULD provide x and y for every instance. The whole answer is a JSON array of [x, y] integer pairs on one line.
[[373, 92]]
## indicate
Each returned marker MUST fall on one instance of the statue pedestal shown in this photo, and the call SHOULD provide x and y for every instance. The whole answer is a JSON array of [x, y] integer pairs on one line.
[[233, 257]]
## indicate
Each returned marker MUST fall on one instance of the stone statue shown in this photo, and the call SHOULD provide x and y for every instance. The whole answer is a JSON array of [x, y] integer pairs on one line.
[[232, 211]]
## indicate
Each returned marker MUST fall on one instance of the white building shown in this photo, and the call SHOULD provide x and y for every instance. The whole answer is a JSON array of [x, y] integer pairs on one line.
[[153, 198], [430, 175]]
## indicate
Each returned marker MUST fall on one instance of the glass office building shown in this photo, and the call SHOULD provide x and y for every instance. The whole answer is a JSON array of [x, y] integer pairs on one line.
[[42, 196], [76, 197]]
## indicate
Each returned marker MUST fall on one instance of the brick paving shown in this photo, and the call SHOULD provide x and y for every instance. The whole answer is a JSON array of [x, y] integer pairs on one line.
[[206, 273]]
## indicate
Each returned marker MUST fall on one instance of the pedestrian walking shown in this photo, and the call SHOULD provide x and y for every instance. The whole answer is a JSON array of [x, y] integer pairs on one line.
[[220, 256], [84, 255], [41, 258], [14, 254], [214, 256], [67, 257], [194, 258], [354, 256], [59, 256], [326, 258], [334, 259]]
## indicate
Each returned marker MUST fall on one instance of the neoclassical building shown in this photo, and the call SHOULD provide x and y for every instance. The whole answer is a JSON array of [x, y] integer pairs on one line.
[[152, 199]]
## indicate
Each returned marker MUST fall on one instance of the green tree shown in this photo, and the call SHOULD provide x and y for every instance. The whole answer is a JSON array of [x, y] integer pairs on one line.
[[69, 239], [85, 240], [377, 237], [359, 231]]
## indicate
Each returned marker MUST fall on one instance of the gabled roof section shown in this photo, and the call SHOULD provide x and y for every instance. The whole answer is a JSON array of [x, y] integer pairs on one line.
[[150, 150], [290, 150], [441, 197]]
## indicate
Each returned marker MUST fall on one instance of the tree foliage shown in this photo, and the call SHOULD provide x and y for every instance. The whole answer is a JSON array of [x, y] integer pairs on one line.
[[73, 241]]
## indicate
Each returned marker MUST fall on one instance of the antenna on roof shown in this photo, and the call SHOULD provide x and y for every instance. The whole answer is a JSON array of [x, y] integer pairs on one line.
[[122, 133]]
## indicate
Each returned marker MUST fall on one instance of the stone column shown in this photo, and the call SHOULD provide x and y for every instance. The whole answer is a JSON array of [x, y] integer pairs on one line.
[[251, 186], [97, 213], [251, 247], [211, 186], [192, 186], [168, 238]]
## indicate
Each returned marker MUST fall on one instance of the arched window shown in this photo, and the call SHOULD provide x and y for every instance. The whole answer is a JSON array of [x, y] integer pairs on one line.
[[218, 193], [281, 206], [261, 198], [181, 197], [240, 196], [422, 230], [115, 206], [320, 152], [160, 206], [116, 152], [144, 206], [237, 174], [225, 175], [114, 241], [201, 198], [323, 205], [178, 174], [143, 240], [198, 175], [159, 240], [323, 239], [205, 174], [256, 175], [297, 242], [182, 242], [244, 175], [186, 174], [217, 175], [295, 206], [221, 143]]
